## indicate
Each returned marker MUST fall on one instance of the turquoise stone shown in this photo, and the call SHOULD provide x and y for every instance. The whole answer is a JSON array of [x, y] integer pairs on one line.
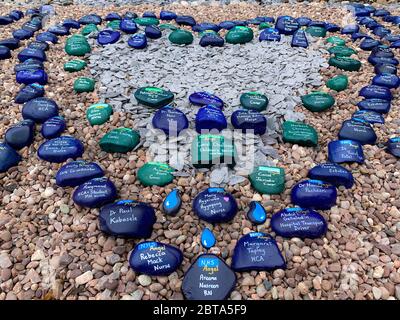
[[207, 238]]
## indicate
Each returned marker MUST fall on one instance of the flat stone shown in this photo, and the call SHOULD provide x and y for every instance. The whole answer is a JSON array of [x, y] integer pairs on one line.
[[315, 194]]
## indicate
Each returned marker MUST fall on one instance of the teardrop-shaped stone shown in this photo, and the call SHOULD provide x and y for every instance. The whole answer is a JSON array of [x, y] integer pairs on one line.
[[256, 213], [172, 203], [207, 238]]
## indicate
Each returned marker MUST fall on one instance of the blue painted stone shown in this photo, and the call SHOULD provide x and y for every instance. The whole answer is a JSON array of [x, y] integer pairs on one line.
[[126, 218], [153, 32], [316, 23], [340, 151], [381, 31], [332, 27], [377, 105], [254, 21], [22, 34], [167, 15], [185, 20], [357, 130], [382, 51], [212, 40], [129, 15], [206, 26], [368, 44], [149, 14], [364, 20], [60, 149], [205, 98], [38, 45], [361, 12], [71, 24], [286, 25], [128, 26], [47, 37], [32, 11], [59, 30], [31, 54], [108, 37], [247, 120], [227, 25], [299, 223], [40, 109], [8, 157], [299, 39], [95, 193], [359, 35], [256, 213], [32, 76], [113, 16], [268, 19], [208, 278], [138, 41], [392, 146], [372, 25], [332, 173], [75, 173], [376, 92], [270, 34], [170, 120], [349, 29], [10, 43], [29, 92], [382, 60], [381, 13], [215, 205], [315, 194], [90, 19], [53, 127], [303, 21], [210, 117], [387, 80], [5, 20], [257, 251], [32, 26], [20, 135], [172, 203], [395, 45], [16, 15], [207, 238], [5, 53], [369, 116], [155, 258], [30, 64]]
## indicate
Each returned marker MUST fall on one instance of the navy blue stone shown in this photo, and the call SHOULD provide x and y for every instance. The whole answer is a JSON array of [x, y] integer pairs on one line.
[[382, 60], [249, 120], [210, 117], [368, 116], [95, 193], [20, 135], [299, 223], [16, 14], [53, 127], [270, 34], [206, 26], [351, 28], [108, 37], [215, 205], [138, 41], [286, 25], [10, 43], [268, 19], [167, 15], [315, 194], [387, 80], [395, 45], [28, 53], [303, 21], [208, 278], [240, 23], [60, 149], [340, 151], [357, 130], [372, 25], [256, 214], [90, 18], [128, 26], [254, 21], [8, 157], [127, 218], [212, 40], [382, 51], [130, 15], [153, 32], [32, 26], [316, 23], [332, 173], [149, 14], [332, 27], [75, 173], [29, 92], [39, 45], [155, 258], [392, 37], [257, 251], [32, 76], [170, 120], [361, 12], [22, 34], [112, 16], [299, 39], [30, 64], [364, 20], [376, 92], [392, 146], [377, 105], [71, 24], [47, 37], [185, 21], [32, 11], [59, 30], [172, 203], [5, 20], [359, 35], [381, 31], [207, 238], [368, 44], [40, 109], [381, 13], [204, 98], [5, 53], [227, 25]]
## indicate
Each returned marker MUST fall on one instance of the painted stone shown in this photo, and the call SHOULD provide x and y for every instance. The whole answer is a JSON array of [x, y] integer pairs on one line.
[[390, 81], [153, 32], [153, 97], [88, 29], [47, 37], [376, 92], [38, 45], [377, 105], [340, 151], [385, 68], [205, 98], [121, 140], [53, 127], [315, 31], [147, 21], [84, 84], [287, 25], [32, 76], [268, 180], [22, 34], [108, 37], [77, 45], [90, 19], [170, 120], [95, 193], [75, 173], [337, 41], [239, 35], [20, 135], [256, 214], [318, 101], [374, 60], [303, 21], [71, 24], [99, 113], [59, 30], [10, 43], [28, 53], [128, 26], [350, 28], [167, 15], [357, 130], [40, 109], [345, 63], [264, 25], [155, 174], [392, 146], [368, 116], [8, 157], [299, 133], [29, 92], [212, 40], [270, 34], [315, 194], [368, 44], [341, 51], [112, 16], [254, 101], [185, 21], [60, 149], [207, 239], [74, 65], [138, 41], [338, 83], [299, 39], [30, 64], [247, 120], [332, 27], [332, 173], [172, 203], [167, 26], [209, 118], [180, 36]]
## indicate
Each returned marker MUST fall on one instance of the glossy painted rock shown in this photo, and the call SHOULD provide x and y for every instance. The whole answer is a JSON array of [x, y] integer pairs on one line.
[[29, 92], [121, 140], [374, 60], [336, 41], [345, 63], [39, 45], [59, 30], [88, 29], [77, 45], [84, 84], [332, 27], [392, 146], [113, 25], [385, 68], [138, 41], [167, 15], [357, 130], [28, 53], [239, 35], [210, 117], [299, 133], [75, 173], [206, 26], [270, 34], [108, 37], [316, 31], [99, 113], [185, 21], [249, 121], [30, 64], [172, 203], [155, 174], [75, 65], [112, 16], [215, 205], [181, 37], [22, 34], [8, 157], [254, 101], [318, 101], [32, 76], [299, 39], [303, 21], [264, 25], [60, 149], [90, 19], [287, 25], [207, 238], [332, 173], [208, 150], [40, 109], [359, 35], [205, 98], [338, 83], [257, 251], [340, 151], [212, 40], [170, 120], [95, 193], [147, 21], [168, 26], [382, 51], [53, 127], [390, 81], [377, 105], [368, 44], [368, 116], [314, 194], [128, 26], [153, 97], [268, 180], [208, 278], [5, 53], [376, 92], [71, 24], [153, 32], [155, 258], [256, 213], [351, 28], [10, 43], [20, 135], [341, 51], [395, 45]]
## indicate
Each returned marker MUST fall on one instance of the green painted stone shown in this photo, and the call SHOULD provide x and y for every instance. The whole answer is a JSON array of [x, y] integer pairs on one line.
[[316, 31], [77, 45], [299, 133], [338, 83], [210, 149], [99, 113], [207, 32], [89, 28], [121, 140], [155, 174], [113, 24], [254, 101], [153, 97], [336, 41], [239, 34], [342, 51], [181, 37], [318, 101], [344, 63], [264, 25], [268, 180], [84, 84], [75, 65], [167, 26], [147, 21]]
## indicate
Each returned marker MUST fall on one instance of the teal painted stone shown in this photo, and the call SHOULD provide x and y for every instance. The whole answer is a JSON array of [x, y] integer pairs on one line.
[[338, 83], [155, 174], [99, 113], [181, 37], [239, 35], [153, 97], [254, 101], [268, 180], [121, 140], [299, 133], [318, 101]]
